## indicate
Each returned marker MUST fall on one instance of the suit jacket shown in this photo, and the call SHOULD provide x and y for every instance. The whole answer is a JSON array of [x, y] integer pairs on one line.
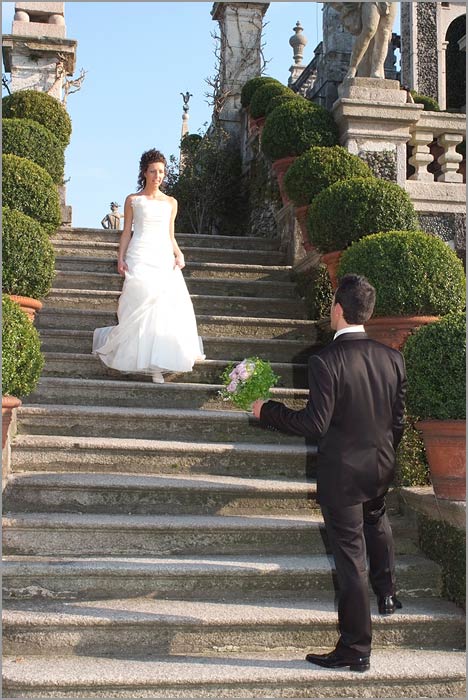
[[354, 413]]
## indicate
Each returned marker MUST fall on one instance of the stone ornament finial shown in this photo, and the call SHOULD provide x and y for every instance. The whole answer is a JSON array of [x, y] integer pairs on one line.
[[186, 98], [298, 41]]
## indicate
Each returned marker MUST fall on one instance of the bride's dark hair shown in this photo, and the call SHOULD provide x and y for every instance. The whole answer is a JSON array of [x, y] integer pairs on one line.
[[148, 157]]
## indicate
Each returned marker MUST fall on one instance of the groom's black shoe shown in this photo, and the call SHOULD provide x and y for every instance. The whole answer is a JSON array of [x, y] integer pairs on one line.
[[336, 659], [388, 604]]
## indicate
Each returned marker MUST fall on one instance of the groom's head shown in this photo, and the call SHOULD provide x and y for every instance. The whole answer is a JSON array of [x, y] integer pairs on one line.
[[353, 302]]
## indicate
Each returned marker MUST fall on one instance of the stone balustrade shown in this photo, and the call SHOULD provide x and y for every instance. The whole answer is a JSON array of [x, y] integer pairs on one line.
[[433, 142]]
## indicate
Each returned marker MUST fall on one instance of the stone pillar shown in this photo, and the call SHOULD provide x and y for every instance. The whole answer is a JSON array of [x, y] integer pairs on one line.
[[240, 25], [298, 41], [374, 121]]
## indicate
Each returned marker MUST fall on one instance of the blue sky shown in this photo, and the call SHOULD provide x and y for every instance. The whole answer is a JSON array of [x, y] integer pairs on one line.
[[139, 57]]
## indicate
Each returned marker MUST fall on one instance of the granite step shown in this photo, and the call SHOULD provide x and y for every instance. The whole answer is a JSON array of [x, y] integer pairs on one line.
[[105, 281], [196, 240], [96, 392], [71, 365], [208, 324], [222, 577], [150, 627], [99, 249], [145, 423], [216, 348], [90, 299], [100, 455], [192, 270]]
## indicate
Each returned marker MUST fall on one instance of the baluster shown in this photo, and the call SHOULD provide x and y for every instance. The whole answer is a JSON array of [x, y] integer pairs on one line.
[[450, 160], [421, 156]]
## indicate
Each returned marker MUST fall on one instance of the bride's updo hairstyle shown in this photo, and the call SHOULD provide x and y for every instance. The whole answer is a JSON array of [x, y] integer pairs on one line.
[[148, 157]]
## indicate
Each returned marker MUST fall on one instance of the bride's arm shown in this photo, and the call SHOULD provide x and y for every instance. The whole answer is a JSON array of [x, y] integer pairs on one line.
[[125, 236], [179, 256]]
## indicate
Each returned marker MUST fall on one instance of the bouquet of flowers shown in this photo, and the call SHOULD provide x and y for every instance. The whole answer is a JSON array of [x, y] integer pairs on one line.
[[247, 381]]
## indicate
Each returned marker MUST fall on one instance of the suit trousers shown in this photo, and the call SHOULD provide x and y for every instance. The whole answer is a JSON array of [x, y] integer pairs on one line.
[[356, 533]]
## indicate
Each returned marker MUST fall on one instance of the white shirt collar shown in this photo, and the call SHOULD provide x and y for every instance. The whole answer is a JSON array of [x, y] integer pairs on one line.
[[350, 329]]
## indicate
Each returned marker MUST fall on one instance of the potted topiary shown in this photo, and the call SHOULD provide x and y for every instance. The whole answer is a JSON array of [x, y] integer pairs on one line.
[[350, 209], [29, 139], [315, 170], [290, 129], [28, 188], [28, 260], [282, 99], [22, 359], [42, 108], [263, 96], [417, 278], [248, 90], [435, 361]]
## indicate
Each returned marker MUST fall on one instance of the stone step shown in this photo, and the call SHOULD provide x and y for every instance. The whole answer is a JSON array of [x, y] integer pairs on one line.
[[394, 673], [100, 535], [98, 249], [105, 281], [148, 494], [221, 578], [96, 392], [192, 270], [32, 453], [88, 299], [191, 240], [145, 423], [212, 325], [207, 372], [151, 627], [216, 348]]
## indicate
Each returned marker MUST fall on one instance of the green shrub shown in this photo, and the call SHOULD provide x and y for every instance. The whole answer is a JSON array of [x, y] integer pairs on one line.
[[318, 293], [430, 104], [263, 96], [446, 545], [414, 273], [252, 85], [29, 189], [350, 209], [295, 126], [318, 168], [29, 139], [435, 363], [28, 260], [412, 468], [22, 357], [282, 99], [42, 108]]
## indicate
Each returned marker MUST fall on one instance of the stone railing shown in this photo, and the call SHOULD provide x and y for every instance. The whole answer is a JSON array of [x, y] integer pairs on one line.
[[433, 142]]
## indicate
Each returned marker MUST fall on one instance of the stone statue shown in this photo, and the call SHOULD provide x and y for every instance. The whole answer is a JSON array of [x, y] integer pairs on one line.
[[112, 220], [371, 23]]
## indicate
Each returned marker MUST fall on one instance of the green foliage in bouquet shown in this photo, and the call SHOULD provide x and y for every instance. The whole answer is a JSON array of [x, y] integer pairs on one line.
[[252, 85], [21, 351], [247, 381], [43, 108]]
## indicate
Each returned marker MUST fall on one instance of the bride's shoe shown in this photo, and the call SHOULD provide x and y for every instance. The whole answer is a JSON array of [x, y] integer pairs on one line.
[[157, 378]]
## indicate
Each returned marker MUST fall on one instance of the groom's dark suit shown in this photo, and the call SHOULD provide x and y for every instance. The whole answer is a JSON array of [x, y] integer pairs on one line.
[[355, 414]]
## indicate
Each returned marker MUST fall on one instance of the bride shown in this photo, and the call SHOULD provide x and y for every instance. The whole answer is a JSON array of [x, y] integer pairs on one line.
[[157, 329]]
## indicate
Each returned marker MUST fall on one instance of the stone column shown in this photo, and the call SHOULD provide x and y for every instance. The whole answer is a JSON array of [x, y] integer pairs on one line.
[[298, 42], [374, 121], [240, 25]]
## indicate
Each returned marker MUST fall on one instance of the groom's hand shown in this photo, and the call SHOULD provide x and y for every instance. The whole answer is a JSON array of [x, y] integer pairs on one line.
[[257, 407]]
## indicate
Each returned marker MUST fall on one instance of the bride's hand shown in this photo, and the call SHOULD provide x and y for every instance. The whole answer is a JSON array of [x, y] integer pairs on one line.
[[179, 261], [122, 267]]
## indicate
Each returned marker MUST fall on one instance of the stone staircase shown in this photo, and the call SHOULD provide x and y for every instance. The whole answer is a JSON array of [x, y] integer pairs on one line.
[[157, 542]]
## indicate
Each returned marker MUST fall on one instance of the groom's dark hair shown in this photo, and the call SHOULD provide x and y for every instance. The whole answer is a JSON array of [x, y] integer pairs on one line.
[[356, 296]]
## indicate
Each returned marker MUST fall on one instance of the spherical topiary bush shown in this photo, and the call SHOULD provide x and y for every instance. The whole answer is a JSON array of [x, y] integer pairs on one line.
[[351, 209], [414, 273], [22, 357], [295, 126], [29, 139], [319, 294], [29, 188], [252, 85], [282, 99], [430, 104], [28, 259], [31, 104], [318, 168], [435, 359], [263, 96]]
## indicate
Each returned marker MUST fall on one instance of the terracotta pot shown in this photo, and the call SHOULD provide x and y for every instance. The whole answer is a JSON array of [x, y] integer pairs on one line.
[[9, 403], [28, 304], [445, 443], [395, 330], [280, 167], [332, 260], [301, 216]]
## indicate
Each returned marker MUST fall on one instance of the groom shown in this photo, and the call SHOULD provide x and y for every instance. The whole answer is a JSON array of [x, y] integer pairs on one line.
[[355, 414]]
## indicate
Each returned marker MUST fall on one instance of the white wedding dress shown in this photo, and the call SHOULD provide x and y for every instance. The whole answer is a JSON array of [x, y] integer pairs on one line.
[[157, 329]]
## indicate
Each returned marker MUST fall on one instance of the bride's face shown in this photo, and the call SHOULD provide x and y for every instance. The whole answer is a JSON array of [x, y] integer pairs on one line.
[[154, 174]]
